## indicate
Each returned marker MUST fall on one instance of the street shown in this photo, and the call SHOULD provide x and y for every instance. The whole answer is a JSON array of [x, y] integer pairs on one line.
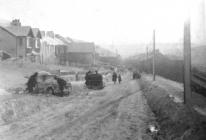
[[118, 112]]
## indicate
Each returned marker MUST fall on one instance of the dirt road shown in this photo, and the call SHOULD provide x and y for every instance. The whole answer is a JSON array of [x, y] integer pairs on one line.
[[118, 112]]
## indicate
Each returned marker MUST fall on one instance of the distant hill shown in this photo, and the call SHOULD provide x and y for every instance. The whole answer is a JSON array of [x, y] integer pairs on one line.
[[104, 52], [199, 56], [166, 67], [170, 49]]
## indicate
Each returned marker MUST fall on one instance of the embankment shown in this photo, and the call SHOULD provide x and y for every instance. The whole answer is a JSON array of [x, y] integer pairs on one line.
[[176, 120]]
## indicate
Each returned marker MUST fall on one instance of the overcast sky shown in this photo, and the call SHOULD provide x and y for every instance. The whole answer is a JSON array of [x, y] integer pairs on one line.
[[102, 21]]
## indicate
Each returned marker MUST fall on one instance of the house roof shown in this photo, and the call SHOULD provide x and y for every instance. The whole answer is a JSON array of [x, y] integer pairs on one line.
[[69, 39], [36, 32], [19, 30], [59, 42], [52, 41], [81, 48], [63, 39]]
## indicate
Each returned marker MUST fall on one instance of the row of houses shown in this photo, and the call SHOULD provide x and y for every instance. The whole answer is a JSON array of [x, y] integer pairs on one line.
[[46, 47]]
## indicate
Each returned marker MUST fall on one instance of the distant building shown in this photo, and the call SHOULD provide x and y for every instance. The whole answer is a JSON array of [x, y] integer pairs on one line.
[[47, 50], [61, 49], [75, 52], [36, 44], [16, 40], [52, 49], [81, 53]]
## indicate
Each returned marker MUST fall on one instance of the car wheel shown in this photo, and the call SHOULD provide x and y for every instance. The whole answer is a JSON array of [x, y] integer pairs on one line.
[[50, 91]]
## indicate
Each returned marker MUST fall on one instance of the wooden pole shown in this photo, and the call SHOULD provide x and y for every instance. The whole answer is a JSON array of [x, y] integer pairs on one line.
[[147, 63], [153, 64], [187, 62]]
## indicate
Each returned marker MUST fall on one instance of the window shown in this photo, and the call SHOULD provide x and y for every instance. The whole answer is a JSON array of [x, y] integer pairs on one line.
[[20, 41], [38, 43], [29, 42]]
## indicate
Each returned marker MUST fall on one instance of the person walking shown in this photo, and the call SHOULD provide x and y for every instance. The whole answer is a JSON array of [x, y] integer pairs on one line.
[[61, 83], [32, 82], [114, 77], [77, 76], [119, 78]]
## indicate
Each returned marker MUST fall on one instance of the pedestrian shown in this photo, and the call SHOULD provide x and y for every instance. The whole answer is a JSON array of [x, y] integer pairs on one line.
[[119, 78], [87, 79], [32, 82], [114, 77], [77, 76], [61, 83]]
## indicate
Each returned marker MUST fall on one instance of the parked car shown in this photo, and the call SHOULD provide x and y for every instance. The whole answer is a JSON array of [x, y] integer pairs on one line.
[[48, 83], [94, 80], [136, 75]]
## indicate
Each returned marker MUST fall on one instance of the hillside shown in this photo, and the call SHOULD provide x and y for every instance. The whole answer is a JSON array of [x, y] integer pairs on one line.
[[199, 56], [166, 67]]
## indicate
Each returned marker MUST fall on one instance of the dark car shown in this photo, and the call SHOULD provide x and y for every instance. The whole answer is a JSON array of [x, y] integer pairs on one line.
[[94, 80], [136, 75], [48, 83]]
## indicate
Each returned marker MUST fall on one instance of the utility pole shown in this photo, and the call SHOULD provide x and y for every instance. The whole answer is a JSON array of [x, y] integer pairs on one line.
[[187, 62], [202, 29], [94, 56], [153, 64], [147, 63]]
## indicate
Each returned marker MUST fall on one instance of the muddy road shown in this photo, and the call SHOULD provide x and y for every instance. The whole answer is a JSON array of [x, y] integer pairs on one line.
[[118, 112]]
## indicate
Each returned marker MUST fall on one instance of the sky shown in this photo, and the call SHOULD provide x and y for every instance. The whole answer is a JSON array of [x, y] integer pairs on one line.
[[103, 21]]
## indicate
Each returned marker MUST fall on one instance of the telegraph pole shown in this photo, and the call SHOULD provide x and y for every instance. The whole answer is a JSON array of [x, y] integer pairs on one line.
[[94, 56], [147, 53], [187, 62], [153, 64], [147, 63]]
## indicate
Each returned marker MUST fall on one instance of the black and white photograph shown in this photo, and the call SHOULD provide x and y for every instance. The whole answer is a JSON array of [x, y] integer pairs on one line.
[[102, 69]]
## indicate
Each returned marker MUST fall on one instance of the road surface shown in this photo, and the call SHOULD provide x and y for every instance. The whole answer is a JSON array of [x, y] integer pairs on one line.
[[118, 112]]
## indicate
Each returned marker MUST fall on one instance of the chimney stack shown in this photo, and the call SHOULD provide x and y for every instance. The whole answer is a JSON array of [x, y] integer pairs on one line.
[[16, 22]]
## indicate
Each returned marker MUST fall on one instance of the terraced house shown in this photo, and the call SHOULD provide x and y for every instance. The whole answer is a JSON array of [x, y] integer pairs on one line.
[[19, 41]]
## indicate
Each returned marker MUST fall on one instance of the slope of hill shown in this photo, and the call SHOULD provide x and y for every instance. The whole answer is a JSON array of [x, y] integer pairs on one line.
[[166, 67], [199, 56], [104, 52]]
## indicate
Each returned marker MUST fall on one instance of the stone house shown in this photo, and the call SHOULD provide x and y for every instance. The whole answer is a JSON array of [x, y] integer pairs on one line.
[[16, 40]]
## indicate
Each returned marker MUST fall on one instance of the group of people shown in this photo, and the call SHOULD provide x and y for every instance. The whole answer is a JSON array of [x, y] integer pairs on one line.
[[116, 77]]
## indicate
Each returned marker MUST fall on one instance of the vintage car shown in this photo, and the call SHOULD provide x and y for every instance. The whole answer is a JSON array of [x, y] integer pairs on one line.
[[136, 75], [94, 80], [47, 83]]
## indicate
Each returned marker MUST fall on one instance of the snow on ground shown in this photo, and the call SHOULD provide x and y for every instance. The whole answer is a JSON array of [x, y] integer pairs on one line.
[[175, 91], [12, 74], [117, 112], [188, 122]]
